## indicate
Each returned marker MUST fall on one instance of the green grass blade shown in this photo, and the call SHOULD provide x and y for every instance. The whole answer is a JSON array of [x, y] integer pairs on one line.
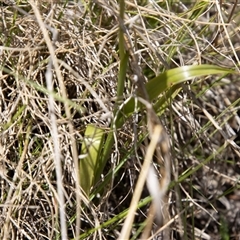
[[114, 220]]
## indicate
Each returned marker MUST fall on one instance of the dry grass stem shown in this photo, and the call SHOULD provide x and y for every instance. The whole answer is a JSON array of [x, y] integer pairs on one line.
[[167, 162]]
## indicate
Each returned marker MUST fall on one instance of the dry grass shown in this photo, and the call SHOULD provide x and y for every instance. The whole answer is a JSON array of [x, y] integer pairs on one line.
[[73, 48]]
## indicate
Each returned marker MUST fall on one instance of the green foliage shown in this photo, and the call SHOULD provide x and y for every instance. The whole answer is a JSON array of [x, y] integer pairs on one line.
[[90, 163], [157, 86], [224, 229], [91, 48], [115, 220], [92, 166]]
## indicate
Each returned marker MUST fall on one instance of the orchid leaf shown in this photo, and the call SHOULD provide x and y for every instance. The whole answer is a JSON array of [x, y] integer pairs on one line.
[[91, 149], [171, 77], [168, 80]]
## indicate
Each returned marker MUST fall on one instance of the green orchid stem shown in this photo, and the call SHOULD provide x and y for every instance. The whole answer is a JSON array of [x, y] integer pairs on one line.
[[124, 59]]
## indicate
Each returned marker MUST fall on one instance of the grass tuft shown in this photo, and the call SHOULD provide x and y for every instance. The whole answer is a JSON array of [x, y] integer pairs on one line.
[[75, 133]]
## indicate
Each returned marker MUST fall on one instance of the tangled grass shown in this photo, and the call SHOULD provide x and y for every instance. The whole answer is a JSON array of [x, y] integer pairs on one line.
[[64, 67]]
